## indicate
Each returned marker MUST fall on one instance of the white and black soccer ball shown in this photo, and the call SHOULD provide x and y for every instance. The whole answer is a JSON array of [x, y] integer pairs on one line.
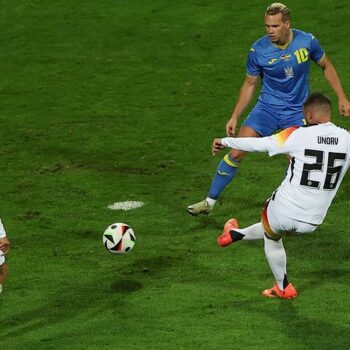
[[119, 238]]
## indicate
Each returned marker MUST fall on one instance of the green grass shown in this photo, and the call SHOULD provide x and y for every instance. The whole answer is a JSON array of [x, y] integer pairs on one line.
[[119, 100]]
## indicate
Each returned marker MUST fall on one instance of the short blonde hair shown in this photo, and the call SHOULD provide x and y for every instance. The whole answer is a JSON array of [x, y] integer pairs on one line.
[[277, 8]]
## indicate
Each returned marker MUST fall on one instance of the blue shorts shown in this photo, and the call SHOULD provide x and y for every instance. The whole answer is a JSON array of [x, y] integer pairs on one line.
[[266, 120]]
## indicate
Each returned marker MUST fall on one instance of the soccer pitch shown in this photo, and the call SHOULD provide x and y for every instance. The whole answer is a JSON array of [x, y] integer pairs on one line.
[[113, 100]]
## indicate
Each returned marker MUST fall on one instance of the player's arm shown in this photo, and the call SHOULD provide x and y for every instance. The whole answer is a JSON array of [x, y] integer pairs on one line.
[[248, 144], [244, 99], [275, 144], [332, 77], [4, 245], [4, 241]]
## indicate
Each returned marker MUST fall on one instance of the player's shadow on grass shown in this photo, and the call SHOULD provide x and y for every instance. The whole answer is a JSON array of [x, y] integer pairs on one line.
[[318, 277], [67, 305], [310, 332], [71, 302], [287, 318]]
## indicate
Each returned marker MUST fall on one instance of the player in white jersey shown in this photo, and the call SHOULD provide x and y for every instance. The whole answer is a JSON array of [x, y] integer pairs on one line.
[[4, 248], [319, 158]]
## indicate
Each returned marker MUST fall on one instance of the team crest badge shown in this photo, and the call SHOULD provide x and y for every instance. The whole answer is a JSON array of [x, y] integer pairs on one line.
[[289, 72]]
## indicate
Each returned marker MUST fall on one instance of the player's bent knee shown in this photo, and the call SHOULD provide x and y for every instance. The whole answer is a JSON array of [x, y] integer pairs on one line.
[[247, 131], [272, 236], [237, 155]]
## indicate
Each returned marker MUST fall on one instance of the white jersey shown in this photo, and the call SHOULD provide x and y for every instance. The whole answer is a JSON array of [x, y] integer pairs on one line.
[[320, 157], [2, 235], [2, 230]]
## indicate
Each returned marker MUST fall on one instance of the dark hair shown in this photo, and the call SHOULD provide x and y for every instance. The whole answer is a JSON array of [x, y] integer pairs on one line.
[[320, 101], [276, 8]]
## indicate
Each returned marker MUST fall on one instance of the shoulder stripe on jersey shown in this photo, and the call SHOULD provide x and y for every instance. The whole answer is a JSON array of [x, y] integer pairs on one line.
[[322, 58], [252, 76], [282, 136]]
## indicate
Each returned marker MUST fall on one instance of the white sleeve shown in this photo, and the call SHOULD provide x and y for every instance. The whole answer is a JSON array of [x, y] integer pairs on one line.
[[2, 230], [254, 144], [282, 142]]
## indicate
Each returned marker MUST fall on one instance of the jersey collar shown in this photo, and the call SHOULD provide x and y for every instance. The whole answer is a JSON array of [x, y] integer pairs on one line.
[[282, 47]]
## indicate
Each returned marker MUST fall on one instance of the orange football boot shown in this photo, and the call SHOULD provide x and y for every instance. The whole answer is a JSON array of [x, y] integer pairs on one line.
[[289, 293], [225, 238]]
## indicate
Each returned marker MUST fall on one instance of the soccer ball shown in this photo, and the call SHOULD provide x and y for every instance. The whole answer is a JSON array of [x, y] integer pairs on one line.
[[119, 238]]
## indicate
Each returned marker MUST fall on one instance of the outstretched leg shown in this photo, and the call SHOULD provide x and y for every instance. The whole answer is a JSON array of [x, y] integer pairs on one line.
[[232, 233], [225, 173], [274, 251]]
